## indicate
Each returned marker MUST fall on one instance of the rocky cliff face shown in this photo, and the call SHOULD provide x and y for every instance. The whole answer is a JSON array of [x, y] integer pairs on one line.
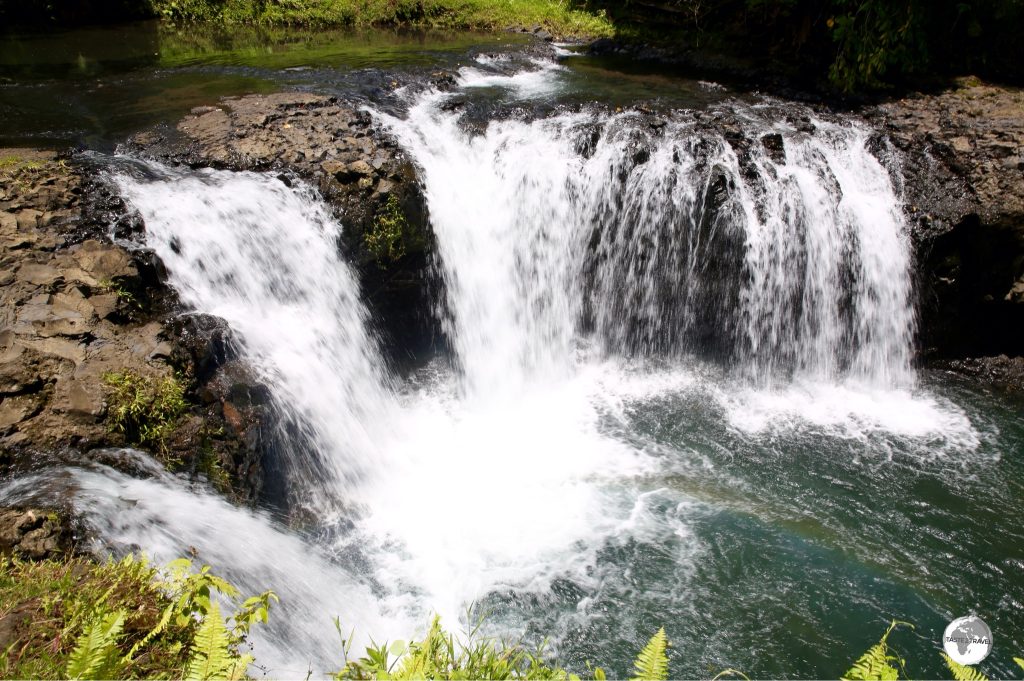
[[78, 309], [963, 173]]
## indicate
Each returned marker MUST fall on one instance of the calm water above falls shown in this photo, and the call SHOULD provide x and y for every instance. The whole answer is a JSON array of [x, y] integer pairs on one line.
[[673, 405]]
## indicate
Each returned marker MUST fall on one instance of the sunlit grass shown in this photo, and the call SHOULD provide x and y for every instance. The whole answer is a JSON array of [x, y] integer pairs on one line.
[[556, 16]]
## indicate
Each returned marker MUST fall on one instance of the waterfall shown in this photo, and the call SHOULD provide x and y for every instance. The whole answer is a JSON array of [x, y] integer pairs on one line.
[[788, 258], [265, 258], [593, 262]]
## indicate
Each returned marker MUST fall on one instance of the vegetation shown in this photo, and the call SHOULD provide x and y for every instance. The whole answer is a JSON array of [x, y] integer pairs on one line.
[[125, 619], [122, 619], [881, 663], [386, 241], [440, 656], [855, 44], [556, 15], [144, 410], [878, 662]]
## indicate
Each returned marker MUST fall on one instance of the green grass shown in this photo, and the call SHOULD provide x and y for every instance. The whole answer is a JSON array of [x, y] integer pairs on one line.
[[556, 16]]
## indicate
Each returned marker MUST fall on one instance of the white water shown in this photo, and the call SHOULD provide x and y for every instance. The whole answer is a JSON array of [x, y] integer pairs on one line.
[[518, 468], [264, 257]]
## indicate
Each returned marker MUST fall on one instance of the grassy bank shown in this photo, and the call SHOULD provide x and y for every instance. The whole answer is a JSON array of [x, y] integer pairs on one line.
[[557, 16]]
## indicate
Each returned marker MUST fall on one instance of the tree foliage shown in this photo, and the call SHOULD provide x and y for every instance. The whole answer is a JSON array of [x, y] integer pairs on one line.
[[854, 44]]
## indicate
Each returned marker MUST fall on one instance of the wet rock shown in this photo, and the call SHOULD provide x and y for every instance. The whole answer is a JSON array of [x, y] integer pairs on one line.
[[202, 344], [76, 308], [774, 147], [1001, 371], [35, 533], [966, 208]]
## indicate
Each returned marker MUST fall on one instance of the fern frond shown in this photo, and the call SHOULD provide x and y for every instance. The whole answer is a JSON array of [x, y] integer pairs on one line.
[[154, 632], [877, 664], [652, 662], [211, 657], [874, 665], [963, 672], [95, 655]]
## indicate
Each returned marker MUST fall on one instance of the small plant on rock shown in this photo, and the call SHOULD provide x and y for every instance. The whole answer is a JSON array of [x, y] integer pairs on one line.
[[144, 410], [386, 240]]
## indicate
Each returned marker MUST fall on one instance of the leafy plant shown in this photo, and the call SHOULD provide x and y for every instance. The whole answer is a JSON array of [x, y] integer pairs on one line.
[[123, 294], [440, 656], [385, 241], [212, 656], [877, 663], [962, 672], [873, 38], [124, 619], [652, 662], [96, 655], [144, 410]]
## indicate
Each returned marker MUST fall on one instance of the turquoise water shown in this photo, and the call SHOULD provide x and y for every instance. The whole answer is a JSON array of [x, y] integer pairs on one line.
[[799, 543]]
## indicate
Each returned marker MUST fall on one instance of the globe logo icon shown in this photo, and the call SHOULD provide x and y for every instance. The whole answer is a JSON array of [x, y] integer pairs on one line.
[[967, 640]]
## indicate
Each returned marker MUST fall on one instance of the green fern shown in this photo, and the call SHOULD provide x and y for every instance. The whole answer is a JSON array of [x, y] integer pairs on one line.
[[96, 655], [652, 662], [876, 664], [963, 672], [211, 656]]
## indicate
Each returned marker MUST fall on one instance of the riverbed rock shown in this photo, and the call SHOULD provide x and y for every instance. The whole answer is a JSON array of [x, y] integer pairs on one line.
[[963, 179], [1003, 372]]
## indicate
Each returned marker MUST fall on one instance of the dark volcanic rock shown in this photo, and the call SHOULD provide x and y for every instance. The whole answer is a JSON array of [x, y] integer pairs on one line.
[[1002, 371], [963, 174]]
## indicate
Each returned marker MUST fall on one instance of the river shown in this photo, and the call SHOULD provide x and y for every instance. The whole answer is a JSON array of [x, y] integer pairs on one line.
[[653, 411]]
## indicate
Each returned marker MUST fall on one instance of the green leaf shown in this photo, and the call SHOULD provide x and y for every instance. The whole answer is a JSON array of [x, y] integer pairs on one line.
[[1019, 661], [96, 655], [652, 662], [963, 672], [876, 664], [211, 657]]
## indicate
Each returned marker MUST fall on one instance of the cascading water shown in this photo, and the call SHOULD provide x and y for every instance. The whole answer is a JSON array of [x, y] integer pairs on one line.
[[264, 257], [669, 241], [591, 261]]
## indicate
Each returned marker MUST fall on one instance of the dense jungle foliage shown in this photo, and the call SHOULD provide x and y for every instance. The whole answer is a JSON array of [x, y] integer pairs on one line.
[[857, 44]]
